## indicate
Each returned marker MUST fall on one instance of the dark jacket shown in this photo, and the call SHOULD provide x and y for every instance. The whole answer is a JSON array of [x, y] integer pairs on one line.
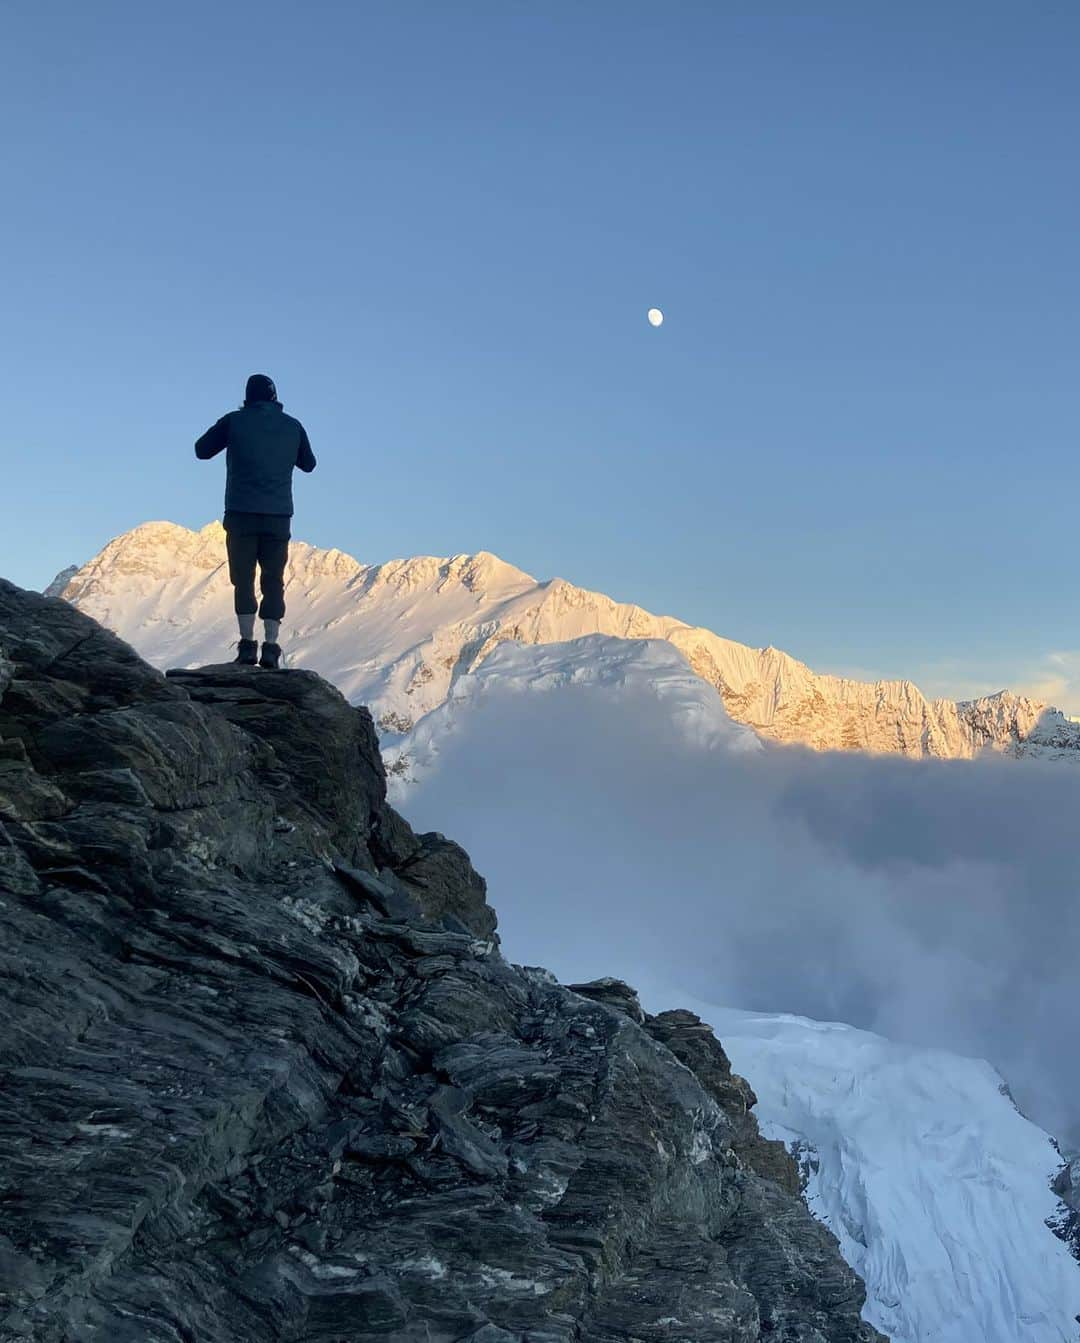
[[262, 446]]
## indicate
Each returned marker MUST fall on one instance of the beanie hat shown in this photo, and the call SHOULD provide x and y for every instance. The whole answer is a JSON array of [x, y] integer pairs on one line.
[[259, 388]]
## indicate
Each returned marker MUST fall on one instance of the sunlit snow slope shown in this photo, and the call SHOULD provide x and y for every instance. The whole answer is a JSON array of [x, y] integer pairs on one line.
[[398, 637], [648, 669], [937, 1188]]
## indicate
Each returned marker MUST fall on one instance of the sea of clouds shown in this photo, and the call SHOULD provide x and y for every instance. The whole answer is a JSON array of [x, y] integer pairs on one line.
[[934, 902]]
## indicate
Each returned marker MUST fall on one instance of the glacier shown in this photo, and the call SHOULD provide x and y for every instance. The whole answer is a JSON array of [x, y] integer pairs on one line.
[[934, 1183]]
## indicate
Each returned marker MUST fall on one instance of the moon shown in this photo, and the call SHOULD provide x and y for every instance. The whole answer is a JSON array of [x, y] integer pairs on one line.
[[655, 316]]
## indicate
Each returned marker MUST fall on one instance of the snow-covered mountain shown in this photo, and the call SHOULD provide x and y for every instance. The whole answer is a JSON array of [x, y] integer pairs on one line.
[[650, 669], [937, 1188], [400, 636]]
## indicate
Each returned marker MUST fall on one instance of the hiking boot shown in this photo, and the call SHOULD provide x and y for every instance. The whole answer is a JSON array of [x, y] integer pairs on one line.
[[271, 656], [247, 652]]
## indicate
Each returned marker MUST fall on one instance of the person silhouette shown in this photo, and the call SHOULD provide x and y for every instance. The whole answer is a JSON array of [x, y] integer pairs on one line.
[[262, 447]]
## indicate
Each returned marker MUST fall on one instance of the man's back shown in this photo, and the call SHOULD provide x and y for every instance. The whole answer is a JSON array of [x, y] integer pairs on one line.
[[264, 448]]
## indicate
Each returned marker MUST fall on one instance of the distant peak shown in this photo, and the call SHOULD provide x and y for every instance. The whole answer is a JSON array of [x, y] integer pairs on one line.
[[480, 571], [60, 582], [484, 569]]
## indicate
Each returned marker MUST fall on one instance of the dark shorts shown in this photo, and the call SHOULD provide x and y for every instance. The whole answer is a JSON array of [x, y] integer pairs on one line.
[[250, 548], [256, 524]]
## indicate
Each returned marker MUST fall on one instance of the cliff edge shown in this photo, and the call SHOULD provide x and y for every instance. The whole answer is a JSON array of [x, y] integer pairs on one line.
[[266, 1075]]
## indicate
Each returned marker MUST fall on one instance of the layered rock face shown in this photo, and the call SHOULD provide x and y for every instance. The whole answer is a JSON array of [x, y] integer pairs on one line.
[[1067, 1188], [266, 1076]]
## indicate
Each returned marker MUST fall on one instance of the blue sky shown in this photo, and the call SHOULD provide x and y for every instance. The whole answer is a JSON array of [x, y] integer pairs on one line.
[[439, 228]]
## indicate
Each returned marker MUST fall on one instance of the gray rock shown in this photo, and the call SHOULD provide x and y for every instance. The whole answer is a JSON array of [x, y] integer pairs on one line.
[[694, 1044], [1066, 1185], [615, 994], [266, 1077]]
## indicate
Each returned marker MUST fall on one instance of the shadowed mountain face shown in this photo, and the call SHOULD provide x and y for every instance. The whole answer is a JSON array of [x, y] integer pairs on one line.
[[266, 1075]]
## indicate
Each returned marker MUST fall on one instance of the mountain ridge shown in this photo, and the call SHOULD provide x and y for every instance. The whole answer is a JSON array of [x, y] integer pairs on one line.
[[398, 635]]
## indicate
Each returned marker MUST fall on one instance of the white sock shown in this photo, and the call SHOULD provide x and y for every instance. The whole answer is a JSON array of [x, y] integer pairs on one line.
[[247, 626], [272, 627]]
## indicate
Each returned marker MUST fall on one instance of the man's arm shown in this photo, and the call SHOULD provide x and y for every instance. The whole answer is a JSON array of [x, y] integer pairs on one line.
[[215, 440], [305, 458]]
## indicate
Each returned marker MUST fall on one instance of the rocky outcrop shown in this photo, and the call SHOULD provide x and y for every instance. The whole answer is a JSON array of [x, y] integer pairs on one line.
[[1067, 1187], [266, 1075]]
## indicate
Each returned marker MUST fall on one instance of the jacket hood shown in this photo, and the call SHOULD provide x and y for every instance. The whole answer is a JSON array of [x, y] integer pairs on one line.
[[260, 387]]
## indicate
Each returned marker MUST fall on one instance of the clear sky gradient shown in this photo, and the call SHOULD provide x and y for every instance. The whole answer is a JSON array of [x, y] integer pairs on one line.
[[439, 227]]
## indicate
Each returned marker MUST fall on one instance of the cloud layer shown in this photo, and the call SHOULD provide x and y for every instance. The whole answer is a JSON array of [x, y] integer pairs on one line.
[[932, 902]]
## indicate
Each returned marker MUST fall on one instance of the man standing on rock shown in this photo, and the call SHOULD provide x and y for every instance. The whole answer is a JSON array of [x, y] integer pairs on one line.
[[263, 445]]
